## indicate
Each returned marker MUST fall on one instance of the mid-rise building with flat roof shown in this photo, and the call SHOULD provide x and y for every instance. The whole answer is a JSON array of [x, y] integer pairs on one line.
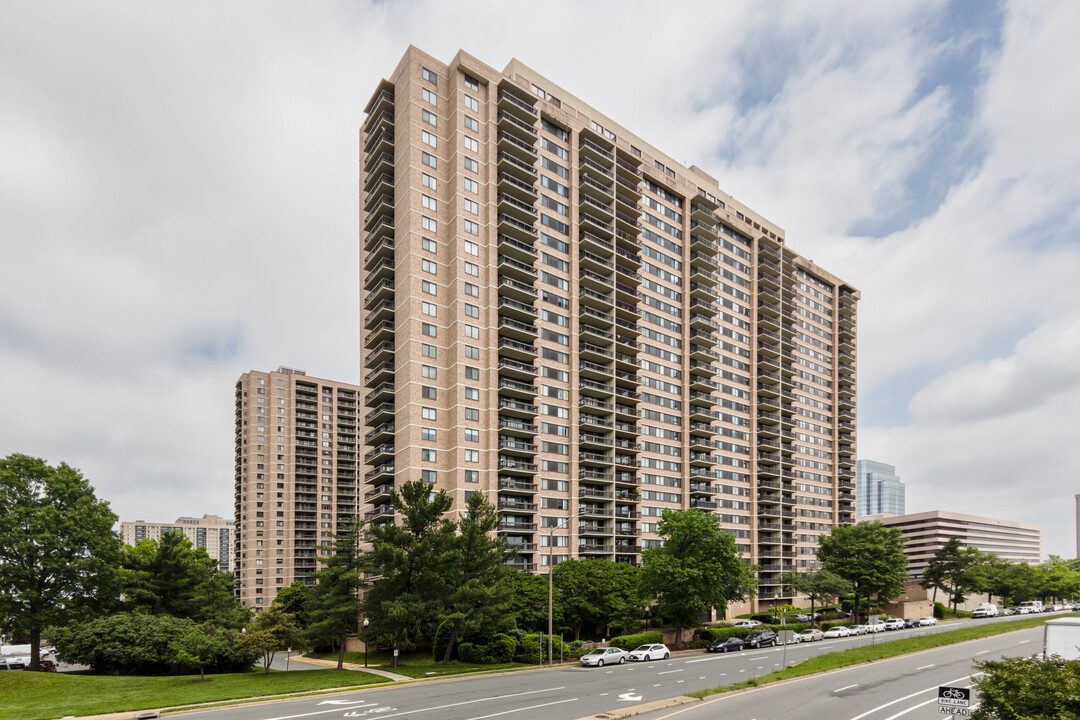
[[557, 314], [295, 479], [212, 532], [926, 532], [880, 491]]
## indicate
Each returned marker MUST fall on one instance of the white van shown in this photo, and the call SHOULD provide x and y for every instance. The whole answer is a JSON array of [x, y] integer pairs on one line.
[[1031, 606], [985, 610]]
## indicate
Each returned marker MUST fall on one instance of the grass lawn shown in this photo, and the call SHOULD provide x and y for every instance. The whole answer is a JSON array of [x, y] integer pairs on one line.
[[41, 696], [420, 665], [868, 653]]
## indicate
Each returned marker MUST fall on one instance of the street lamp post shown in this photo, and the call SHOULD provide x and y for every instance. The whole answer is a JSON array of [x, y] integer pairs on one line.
[[551, 567], [365, 641]]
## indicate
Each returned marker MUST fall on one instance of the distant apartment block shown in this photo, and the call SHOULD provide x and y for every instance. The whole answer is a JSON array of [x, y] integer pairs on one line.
[[926, 532], [210, 531], [880, 491], [560, 316], [296, 477]]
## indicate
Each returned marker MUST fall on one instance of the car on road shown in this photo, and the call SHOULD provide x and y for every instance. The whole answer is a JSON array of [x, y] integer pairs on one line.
[[747, 623], [811, 634], [911, 622], [838, 631], [877, 627], [807, 617], [726, 644], [644, 653], [859, 629], [894, 624], [43, 665], [604, 656], [928, 620], [761, 638]]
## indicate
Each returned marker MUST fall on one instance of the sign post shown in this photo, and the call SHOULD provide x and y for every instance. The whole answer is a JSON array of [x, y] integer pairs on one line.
[[953, 700]]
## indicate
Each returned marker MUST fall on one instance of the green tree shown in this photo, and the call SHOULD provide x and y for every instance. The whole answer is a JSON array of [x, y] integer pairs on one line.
[[478, 599], [954, 568], [198, 647], [272, 631], [868, 555], [596, 592], [1027, 688], [697, 568], [58, 552], [1057, 580], [411, 561], [528, 600], [818, 585], [295, 599], [334, 609], [992, 576]]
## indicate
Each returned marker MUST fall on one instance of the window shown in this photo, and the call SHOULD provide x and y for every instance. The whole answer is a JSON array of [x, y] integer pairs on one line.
[[429, 160], [554, 262], [428, 329], [428, 476], [472, 311], [428, 245], [472, 393], [430, 76], [428, 434], [472, 290], [472, 144], [472, 331], [429, 309], [549, 164], [554, 242], [429, 203], [472, 165], [429, 139], [472, 186], [428, 392], [556, 300], [427, 455], [428, 351], [554, 317], [429, 287], [472, 414], [472, 124], [472, 103], [472, 435], [428, 413], [429, 371], [428, 223], [472, 83], [472, 248], [554, 129], [554, 280], [430, 267], [472, 207], [472, 352], [429, 96], [472, 373], [472, 456], [429, 181], [554, 186], [472, 228], [555, 205], [472, 476], [429, 117], [558, 226], [472, 269]]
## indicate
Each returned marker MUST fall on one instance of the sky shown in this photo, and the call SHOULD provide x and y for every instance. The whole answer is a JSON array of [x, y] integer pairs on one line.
[[178, 205]]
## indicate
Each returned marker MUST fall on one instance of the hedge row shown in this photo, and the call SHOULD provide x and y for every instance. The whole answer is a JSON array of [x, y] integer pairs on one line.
[[629, 642]]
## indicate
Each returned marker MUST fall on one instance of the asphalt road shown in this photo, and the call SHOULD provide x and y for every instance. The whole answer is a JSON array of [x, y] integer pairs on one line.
[[566, 693], [904, 687]]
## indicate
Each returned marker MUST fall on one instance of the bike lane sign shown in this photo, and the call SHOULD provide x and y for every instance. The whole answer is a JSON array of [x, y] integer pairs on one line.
[[953, 700]]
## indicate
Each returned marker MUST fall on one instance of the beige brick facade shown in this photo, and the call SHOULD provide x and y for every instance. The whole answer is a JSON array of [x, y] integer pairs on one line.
[[215, 534], [558, 315]]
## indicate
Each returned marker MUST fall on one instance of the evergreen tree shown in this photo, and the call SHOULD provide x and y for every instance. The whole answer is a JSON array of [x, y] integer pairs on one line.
[[333, 611], [868, 555]]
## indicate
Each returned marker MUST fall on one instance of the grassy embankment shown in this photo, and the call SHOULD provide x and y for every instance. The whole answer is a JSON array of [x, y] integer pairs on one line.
[[869, 653], [41, 696], [421, 664]]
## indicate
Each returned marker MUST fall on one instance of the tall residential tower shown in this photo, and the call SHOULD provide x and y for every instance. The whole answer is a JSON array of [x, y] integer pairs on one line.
[[560, 316]]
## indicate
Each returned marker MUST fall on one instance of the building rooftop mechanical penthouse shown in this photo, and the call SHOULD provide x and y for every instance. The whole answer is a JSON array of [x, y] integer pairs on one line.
[[560, 316]]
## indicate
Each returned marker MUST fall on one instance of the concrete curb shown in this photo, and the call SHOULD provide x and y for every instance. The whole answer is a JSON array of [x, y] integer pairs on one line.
[[643, 708]]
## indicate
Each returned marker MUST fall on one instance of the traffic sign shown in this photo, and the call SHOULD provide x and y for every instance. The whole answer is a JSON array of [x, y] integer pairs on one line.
[[950, 710], [953, 696]]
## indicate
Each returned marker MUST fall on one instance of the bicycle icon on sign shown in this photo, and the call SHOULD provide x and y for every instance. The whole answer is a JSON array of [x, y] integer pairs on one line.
[[954, 693]]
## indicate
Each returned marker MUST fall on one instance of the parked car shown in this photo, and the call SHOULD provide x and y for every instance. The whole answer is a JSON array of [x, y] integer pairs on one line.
[[811, 635], [894, 624], [877, 627], [911, 622], [928, 620], [761, 638], [766, 619], [604, 656], [859, 629], [723, 645], [7, 663], [747, 623], [43, 665], [837, 631], [649, 652], [807, 617]]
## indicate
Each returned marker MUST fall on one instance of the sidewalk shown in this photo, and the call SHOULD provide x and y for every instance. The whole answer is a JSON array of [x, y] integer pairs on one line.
[[355, 666]]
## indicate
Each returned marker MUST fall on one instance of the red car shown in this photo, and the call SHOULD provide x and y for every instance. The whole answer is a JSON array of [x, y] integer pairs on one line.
[[45, 666]]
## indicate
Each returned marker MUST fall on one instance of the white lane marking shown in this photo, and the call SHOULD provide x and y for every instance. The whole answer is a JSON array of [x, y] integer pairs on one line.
[[761, 657], [604, 694], [439, 707], [609, 672], [701, 678], [982, 652], [825, 647], [742, 670], [668, 672], [846, 687], [657, 685], [924, 667], [908, 697], [705, 659], [352, 703], [1023, 641], [913, 707], [629, 697], [680, 681], [532, 707]]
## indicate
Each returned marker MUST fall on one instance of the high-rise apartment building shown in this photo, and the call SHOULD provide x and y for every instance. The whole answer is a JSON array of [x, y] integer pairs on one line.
[[560, 316], [210, 531], [296, 477], [879, 490]]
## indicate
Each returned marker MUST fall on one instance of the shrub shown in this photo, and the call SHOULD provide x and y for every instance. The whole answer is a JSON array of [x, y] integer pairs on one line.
[[502, 648], [711, 634], [577, 649], [442, 639], [629, 642], [939, 611], [470, 653], [528, 651]]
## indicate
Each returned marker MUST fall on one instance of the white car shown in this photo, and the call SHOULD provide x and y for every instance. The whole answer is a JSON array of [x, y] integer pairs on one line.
[[604, 656], [649, 652], [838, 631], [811, 635], [746, 623], [858, 629], [894, 624], [877, 627], [928, 620]]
